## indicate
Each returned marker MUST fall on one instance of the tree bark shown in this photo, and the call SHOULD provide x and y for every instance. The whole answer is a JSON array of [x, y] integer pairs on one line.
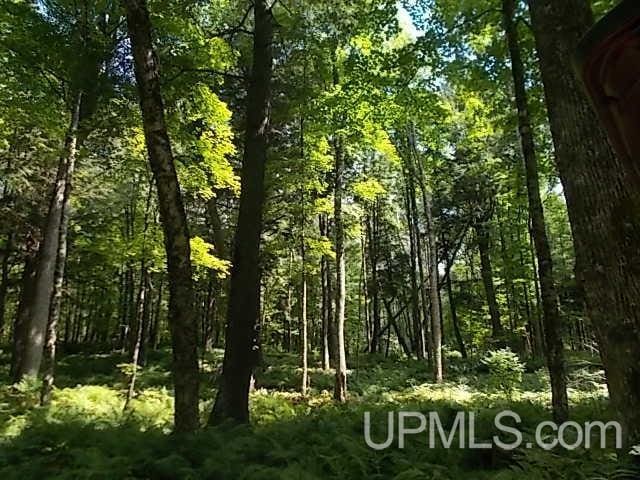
[[138, 332], [486, 271], [51, 338], [182, 317], [47, 256], [419, 342], [454, 316], [327, 300], [551, 315], [243, 313], [373, 284], [340, 391], [304, 340], [24, 306], [4, 279], [603, 200], [304, 334], [434, 291]]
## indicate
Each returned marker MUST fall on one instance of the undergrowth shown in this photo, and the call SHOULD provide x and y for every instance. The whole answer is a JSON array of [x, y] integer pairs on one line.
[[86, 434]]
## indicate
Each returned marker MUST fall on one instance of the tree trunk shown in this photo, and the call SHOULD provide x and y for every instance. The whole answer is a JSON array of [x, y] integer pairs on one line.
[[138, 332], [154, 328], [47, 256], [603, 200], [434, 291], [304, 334], [182, 318], [24, 307], [304, 340], [4, 279], [49, 358], [551, 315], [454, 316], [418, 325], [340, 391], [486, 271], [326, 298], [373, 285], [330, 343], [393, 322], [220, 286], [243, 313]]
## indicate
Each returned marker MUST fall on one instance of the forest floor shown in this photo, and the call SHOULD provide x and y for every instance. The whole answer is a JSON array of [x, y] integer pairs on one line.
[[85, 434]]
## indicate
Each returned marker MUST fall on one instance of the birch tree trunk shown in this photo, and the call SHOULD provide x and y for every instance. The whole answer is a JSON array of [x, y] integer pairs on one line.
[[182, 318]]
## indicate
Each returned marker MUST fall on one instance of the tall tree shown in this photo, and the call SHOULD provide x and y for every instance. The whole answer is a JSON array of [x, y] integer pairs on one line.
[[36, 328], [182, 318], [551, 315], [242, 342], [603, 199], [56, 294], [483, 239], [340, 390]]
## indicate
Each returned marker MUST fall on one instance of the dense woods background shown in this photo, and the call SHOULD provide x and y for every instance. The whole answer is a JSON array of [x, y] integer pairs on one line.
[[289, 212]]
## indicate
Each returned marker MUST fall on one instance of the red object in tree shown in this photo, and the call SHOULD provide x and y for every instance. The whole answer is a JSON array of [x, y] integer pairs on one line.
[[608, 62]]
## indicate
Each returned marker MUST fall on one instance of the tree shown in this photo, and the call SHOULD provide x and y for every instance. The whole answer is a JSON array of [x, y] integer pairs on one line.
[[551, 315], [243, 313], [603, 199], [182, 319]]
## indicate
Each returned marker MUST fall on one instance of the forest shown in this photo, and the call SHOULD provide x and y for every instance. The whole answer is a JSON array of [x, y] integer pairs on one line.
[[239, 237]]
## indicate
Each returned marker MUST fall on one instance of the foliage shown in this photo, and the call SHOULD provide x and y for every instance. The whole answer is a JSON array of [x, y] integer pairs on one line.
[[86, 434], [201, 256], [505, 370]]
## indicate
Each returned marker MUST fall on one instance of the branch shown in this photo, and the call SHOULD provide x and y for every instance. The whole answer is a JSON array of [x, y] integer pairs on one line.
[[473, 19], [231, 31]]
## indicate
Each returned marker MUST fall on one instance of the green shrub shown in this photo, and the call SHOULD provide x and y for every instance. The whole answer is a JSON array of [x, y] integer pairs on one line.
[[505, 370]]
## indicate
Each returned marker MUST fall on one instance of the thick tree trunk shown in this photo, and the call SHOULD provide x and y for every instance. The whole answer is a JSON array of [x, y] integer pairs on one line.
[[182, 318], [551, 315], [24, 307], [51, 338], [486, 271], [243, 313], [603, 200], [47, 256]]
